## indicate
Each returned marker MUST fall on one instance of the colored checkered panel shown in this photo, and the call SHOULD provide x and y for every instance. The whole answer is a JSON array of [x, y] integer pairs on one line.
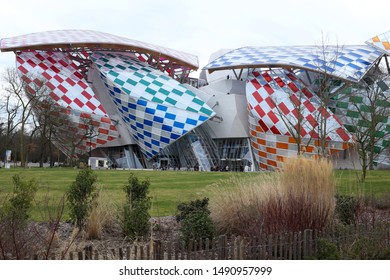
[[271, 150], [70, 92], [348, 62], [381, 42], [61, 76], [277, 97], [353, 107], [157, 109], [85, 37], [81, 132]]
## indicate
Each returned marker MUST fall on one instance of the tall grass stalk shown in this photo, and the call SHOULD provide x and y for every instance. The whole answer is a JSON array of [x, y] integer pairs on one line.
[[301, 195], [102, 215]]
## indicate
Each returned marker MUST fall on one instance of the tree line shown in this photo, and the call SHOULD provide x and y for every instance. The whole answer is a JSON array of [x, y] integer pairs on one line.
[[34, 127]]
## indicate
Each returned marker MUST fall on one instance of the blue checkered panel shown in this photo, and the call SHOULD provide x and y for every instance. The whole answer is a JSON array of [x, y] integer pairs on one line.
[[348, 62], [157, 109]]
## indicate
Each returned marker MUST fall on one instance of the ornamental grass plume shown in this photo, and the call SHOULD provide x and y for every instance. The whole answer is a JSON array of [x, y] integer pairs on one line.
[[300, 195]]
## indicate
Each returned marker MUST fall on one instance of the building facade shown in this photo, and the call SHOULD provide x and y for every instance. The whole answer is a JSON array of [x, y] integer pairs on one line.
[[135, 104]]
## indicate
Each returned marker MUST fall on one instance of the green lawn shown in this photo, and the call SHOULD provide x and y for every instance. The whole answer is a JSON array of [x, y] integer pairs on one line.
[[377, 183], [168, 188]]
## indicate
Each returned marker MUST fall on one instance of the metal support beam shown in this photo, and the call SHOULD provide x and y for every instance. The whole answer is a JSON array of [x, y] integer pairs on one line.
[[238, 77], [387, 64]]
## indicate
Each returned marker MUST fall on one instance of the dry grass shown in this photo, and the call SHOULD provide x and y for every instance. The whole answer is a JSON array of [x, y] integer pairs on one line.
[[299, 196], [102, 215]]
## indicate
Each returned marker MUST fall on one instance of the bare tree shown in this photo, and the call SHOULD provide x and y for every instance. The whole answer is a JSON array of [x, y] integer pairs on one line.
[[369, 110], [74, 136], [25, 90], [10, 109], [327, 88], [47, 122], [295, 121]]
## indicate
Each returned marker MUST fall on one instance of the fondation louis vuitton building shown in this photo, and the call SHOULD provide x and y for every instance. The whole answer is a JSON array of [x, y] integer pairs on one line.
[[136, 104]]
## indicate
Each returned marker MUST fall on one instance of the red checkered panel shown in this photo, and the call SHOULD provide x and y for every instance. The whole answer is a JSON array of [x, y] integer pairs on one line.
[[76, 102], [278, 98], [81, 132], [61, 76]]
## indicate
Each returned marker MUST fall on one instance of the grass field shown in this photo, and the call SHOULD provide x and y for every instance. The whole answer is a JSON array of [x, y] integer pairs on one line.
[[167, 188]]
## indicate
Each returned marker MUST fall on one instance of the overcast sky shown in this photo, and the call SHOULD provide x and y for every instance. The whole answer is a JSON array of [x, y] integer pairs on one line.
[[202, 27]]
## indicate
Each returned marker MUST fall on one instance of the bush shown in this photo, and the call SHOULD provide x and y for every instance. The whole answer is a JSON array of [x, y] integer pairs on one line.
[[186, 209], [16, 240], [20, 203], [347, 208], [195, 220], [135, 216], [81, 195], [368, 248], [327, 250]]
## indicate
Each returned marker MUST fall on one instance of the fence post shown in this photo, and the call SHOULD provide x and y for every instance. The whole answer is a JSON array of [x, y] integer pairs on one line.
[[88, 250], [307, 237], [269, 249], [135, 246], [157, 250], [121, 253], [147, 251], [236, 248], [142, 252], [169, 250], [128, 253], [80, 255], [243, 249], [207, 249], [176, 249], [222, 247], [299, 245]]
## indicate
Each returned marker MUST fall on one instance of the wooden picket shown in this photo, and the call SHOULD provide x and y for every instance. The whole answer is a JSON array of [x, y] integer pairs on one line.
[[282, 246]]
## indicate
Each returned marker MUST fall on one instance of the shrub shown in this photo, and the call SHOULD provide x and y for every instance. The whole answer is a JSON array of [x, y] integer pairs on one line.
[[327, 250], [20, 203], [368, 248], [186, 209], [16, 241], [135, 216], [81, 195], [195, 220], [301, 195], [347, 208]]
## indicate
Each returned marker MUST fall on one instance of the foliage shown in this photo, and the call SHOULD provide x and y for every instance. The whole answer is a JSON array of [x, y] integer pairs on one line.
[[327, 250], [20, 203], [135, 216], [136, 190], [195, 220], [81, 195], [368, 248], [197, 205], [347, 208], [15, 238]]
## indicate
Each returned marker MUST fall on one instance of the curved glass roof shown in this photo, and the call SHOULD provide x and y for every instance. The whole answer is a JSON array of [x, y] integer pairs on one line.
[[87, 39], [381, 42], [344, 62]]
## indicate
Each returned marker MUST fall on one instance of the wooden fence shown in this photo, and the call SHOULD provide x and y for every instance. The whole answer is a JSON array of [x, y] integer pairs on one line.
[[285, 246]]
